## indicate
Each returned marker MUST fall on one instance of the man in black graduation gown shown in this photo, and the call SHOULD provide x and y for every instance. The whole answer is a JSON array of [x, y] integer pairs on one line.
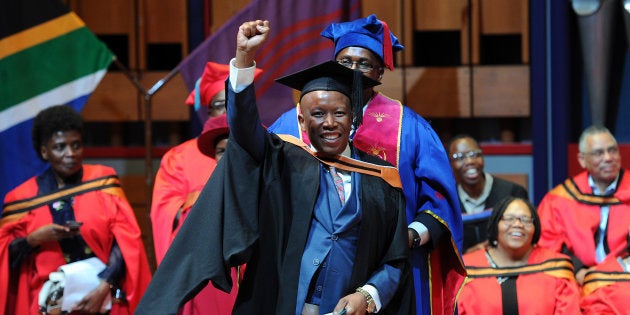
[[321, 229]]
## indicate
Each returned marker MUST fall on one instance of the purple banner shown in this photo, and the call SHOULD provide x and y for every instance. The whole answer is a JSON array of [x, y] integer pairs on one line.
[[294, 44]]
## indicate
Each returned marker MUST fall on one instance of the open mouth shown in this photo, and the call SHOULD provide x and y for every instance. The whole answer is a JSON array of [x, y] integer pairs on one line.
[[330, 137], [471, 173], [516, 235]]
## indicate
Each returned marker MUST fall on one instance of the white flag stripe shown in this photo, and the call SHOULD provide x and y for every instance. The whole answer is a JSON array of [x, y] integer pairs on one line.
[[62, 94]]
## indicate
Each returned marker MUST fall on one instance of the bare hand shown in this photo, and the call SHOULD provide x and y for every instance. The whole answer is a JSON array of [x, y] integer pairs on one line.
[[95, 301], [354, 303], [49, 233], [251, 35]]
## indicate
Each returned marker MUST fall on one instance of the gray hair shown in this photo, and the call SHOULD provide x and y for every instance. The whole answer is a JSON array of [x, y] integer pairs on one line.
[[592, 130]]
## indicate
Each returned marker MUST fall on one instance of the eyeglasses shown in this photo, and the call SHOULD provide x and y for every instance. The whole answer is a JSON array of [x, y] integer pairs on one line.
[[362, 65], [526, 221], [598, 154], [464, 155]]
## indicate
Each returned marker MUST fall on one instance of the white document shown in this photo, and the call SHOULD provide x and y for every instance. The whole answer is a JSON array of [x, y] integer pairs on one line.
[[81, 278]]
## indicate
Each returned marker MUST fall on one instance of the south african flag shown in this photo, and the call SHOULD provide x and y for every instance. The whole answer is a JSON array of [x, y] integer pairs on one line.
[[47, 57]]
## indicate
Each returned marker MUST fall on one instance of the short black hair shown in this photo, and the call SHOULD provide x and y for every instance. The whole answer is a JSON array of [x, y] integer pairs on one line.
[[458, 137], [54, 119], [497, 213]]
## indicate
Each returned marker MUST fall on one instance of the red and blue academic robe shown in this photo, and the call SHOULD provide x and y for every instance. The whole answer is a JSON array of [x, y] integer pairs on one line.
[[183, 172], [398, 135], [606, 289], [570, 215], [100, 203], [545, 285]]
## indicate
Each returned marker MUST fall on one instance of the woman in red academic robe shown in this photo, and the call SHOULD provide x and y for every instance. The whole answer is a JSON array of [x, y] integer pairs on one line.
[[514, 276], [37, 235]]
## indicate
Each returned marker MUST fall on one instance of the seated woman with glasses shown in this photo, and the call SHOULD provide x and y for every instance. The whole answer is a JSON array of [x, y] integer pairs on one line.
[[514, 276]]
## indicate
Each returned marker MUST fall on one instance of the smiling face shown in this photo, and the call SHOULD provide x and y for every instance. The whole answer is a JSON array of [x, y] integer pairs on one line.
[[601, 158], [515, 235], [327, 118], [64, 152], [469, 169]]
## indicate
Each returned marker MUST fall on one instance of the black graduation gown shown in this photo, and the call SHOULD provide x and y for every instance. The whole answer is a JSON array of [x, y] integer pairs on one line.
[[260, 215]]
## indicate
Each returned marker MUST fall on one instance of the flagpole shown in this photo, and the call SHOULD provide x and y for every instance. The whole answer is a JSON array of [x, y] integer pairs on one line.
[[127, 73]]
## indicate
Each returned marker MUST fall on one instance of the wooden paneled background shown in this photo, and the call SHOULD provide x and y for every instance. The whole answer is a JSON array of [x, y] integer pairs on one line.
[[470, 89], [467, 89]]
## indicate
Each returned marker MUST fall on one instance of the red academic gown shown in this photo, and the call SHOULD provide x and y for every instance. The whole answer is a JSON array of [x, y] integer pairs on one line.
[[544, 286], [106, 215], [606, 289], [183, 172], [570, 215]]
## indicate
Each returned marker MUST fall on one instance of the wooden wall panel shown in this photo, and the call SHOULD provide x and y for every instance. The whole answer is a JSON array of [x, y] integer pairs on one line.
[[431, 15], [405, 32], [222, 10], [168, 102], [117, 99], [525, 31], [106, 17], [501, 17], [401, 25], [501, 91], [506, 17], [470, 35], [114, 100], [432, 92], [166, 21]]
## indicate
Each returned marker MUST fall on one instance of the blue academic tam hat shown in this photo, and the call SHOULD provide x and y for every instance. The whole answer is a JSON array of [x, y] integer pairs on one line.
[[367, 33]]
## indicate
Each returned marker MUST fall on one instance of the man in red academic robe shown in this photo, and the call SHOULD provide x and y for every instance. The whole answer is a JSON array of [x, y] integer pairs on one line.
[[587, 216]]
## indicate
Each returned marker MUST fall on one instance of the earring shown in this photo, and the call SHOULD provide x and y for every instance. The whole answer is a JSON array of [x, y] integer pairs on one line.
[[495, 243]]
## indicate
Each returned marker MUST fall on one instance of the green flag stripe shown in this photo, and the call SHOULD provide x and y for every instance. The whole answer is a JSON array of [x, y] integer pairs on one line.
[[50, 64], [40, 34]]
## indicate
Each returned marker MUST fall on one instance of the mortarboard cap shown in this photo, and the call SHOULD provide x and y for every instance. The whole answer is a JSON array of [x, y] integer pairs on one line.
[[331, 76], [213, 128], [367, 33], [211, 82]]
